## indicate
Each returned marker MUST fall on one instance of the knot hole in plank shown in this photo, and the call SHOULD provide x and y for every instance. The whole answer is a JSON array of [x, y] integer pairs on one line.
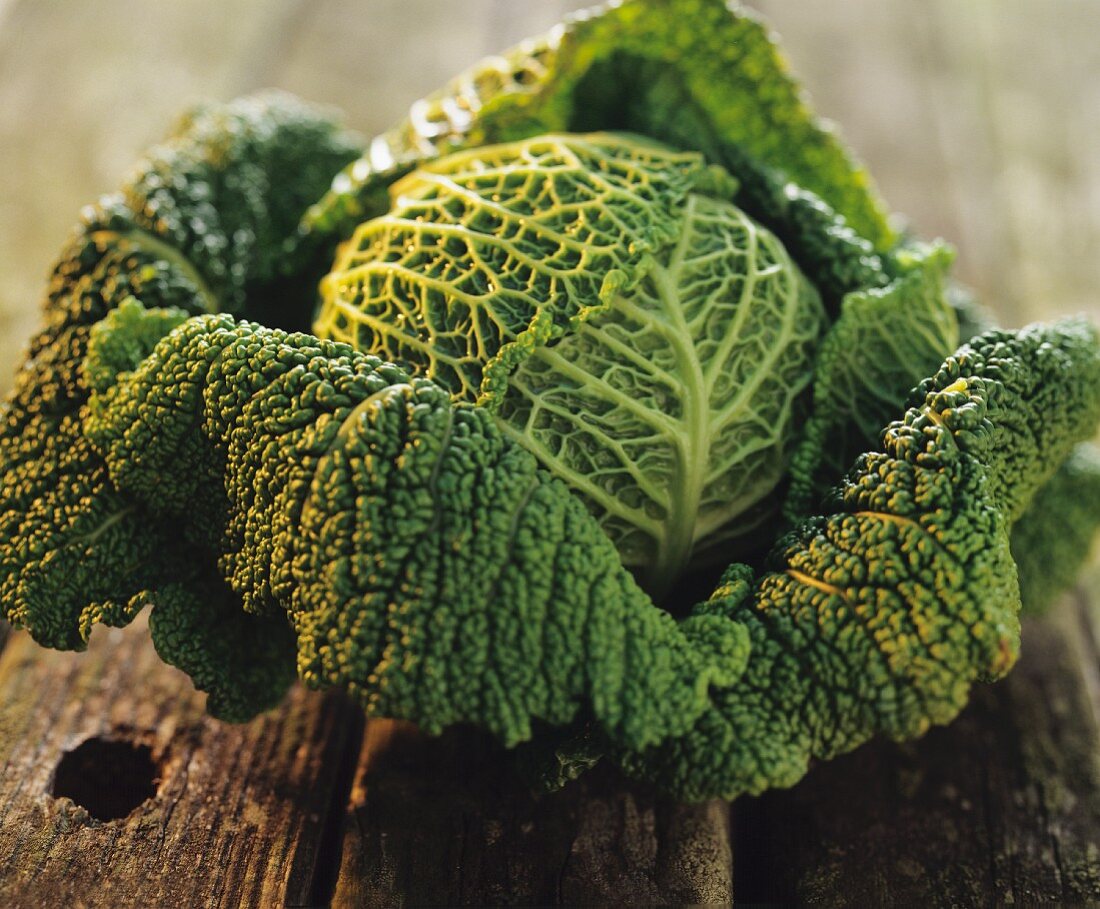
[[107, 777]]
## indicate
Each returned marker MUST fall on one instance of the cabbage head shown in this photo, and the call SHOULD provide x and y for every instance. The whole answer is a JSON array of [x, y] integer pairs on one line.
[[626, 322]]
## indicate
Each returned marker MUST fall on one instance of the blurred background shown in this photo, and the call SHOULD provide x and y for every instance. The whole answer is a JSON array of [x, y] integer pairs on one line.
[[979, 118]]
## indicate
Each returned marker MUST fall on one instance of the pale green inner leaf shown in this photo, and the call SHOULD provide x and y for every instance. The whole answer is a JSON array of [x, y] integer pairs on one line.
[[642, 336], [672, 410]]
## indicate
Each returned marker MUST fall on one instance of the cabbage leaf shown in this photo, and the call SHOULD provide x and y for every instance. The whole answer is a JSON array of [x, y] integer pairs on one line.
[[883, 337], [698, 74]]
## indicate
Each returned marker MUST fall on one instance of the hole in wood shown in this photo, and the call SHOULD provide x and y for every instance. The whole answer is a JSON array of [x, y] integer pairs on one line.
[[109, 778]]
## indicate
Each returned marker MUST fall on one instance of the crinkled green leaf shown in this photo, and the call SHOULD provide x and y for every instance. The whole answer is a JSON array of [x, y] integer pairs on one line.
[[877, 617], [204, 221], [427, 565], [696, 73], [1054, 537], [884, 341]]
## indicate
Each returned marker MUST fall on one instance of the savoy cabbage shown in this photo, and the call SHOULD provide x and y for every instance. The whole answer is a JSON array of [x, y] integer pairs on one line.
[[649, 313]]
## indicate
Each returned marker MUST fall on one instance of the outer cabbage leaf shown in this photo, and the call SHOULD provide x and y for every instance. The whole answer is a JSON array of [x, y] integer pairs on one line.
[[202, 222], [649, 343], [1055, 536], [699, 74], [884, 341], [877, 618], [425, 562]]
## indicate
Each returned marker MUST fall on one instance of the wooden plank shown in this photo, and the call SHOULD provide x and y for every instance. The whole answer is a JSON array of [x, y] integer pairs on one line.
[[240, 814], [1002, 806], [447, 822]]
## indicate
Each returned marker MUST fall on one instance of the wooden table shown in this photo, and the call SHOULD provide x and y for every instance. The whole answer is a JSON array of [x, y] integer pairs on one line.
[[309, 805]]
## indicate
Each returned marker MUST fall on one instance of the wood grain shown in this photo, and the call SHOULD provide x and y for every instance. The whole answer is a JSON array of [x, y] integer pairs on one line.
[[448, 822], [240, 810], [1002, 806], [255, 815]]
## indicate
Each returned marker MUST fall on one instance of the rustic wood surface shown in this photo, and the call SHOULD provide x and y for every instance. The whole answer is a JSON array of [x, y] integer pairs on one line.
[[303, 807], [448, 822], [241, 812], [1002, 806]]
